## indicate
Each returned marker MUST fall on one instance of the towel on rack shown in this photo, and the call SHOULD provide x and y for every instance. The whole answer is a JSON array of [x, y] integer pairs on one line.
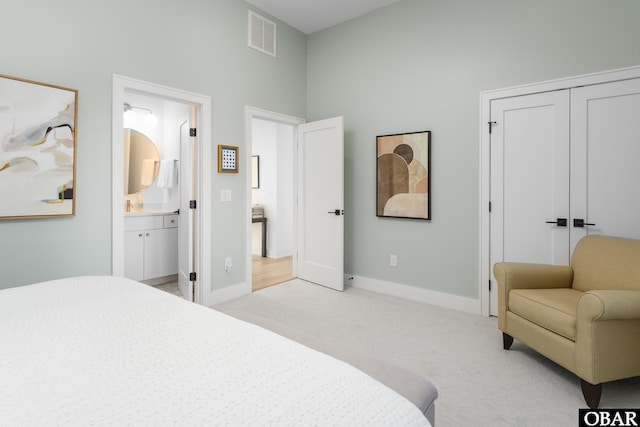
[[168, 175]]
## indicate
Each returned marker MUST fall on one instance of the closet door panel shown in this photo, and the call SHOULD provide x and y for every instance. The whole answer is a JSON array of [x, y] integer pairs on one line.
[[529, 181], [605, 160], [530, 178]]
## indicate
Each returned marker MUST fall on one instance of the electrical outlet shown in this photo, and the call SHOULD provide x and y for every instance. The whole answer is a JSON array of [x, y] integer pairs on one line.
[[393, 260], [225, 195], [227, 264]]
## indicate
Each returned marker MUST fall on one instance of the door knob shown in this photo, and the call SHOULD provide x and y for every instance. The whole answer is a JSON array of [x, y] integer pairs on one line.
[[560, 222], [336, 212], [579, 222]]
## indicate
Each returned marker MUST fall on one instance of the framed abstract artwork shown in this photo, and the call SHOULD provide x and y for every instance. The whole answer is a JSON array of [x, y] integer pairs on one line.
[[37, 149], [403, 171], [228, 159]]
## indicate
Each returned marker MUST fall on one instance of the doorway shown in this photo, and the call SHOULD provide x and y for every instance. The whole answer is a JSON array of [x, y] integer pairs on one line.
[[317, 214], [271, 146], [196, 109]]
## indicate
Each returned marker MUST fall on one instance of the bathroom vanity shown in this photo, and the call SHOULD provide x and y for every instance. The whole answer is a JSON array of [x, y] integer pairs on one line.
[[150, 245]]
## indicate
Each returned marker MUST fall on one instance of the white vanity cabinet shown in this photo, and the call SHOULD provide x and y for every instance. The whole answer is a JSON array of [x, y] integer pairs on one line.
[[150, 246]]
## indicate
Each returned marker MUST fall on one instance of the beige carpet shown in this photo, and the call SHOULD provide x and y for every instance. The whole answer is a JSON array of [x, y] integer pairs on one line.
[[479, 383]]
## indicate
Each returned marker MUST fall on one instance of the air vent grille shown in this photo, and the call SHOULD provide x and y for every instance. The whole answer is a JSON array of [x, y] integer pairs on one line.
[[262, 34]]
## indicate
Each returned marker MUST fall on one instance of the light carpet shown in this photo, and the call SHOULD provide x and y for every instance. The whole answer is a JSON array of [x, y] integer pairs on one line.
[[479, 383]]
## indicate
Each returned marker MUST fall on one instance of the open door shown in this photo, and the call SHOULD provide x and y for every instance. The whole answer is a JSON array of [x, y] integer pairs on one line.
[[321, 202], [185, 242]]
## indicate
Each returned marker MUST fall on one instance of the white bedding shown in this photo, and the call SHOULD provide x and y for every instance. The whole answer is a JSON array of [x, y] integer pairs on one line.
[[111, 351]]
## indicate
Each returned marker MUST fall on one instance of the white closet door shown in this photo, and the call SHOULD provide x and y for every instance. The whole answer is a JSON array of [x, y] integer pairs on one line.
[[529, 181], [605, 159]]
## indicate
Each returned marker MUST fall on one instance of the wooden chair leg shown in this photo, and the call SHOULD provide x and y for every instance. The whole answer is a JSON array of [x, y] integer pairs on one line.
[[591, 393], [507, 340]]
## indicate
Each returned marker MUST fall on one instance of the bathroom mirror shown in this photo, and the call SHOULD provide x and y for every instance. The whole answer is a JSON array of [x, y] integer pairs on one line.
[[141, 161]]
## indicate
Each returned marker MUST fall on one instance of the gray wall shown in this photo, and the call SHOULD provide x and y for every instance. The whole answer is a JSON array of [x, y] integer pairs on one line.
[[416, 65], [421, 65], [195, 45]]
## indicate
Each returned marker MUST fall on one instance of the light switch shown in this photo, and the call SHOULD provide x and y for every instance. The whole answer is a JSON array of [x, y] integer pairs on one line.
[[225, 195]]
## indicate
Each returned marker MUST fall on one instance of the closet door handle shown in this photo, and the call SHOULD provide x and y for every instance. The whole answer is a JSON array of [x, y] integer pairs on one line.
[[560, 222], [579, 223]]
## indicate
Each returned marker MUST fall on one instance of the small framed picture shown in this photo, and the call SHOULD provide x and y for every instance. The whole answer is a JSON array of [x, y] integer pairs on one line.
[[228, 159]]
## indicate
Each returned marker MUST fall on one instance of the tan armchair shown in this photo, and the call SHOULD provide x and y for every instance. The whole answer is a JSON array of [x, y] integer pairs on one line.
[[585, 317]]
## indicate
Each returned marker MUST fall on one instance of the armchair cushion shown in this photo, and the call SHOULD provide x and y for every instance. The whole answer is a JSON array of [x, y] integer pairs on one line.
[[604, 262], [553, 309]]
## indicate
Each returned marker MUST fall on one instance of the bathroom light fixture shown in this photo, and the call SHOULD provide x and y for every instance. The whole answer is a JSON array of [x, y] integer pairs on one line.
[[131, 116]]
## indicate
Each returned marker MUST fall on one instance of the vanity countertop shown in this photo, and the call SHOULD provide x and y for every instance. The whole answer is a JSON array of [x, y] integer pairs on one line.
[[148, 213]]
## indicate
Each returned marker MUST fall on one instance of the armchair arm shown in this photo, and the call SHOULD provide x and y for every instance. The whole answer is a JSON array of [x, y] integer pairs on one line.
[[607, 331], [514, 275], [609, 305]]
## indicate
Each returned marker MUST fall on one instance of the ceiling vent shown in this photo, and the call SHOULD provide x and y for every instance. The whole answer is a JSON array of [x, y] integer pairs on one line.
[[262, 34]]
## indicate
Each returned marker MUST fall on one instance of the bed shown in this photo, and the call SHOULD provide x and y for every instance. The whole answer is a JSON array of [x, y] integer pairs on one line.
[[111, 351]]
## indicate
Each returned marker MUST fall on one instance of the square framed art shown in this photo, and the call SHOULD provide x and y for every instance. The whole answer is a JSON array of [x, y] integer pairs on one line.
[[228, 159], [404, 175], [37, 149]]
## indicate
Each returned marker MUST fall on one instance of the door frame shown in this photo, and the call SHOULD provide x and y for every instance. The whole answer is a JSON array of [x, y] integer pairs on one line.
[[257, 113], [202, 223], [485, 154]]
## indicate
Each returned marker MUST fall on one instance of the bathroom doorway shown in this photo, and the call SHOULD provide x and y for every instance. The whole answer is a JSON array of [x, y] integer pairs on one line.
[[184, 234]]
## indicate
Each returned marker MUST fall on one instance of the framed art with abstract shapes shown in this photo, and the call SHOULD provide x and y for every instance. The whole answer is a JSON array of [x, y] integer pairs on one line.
[[403, 171], [37, 149]]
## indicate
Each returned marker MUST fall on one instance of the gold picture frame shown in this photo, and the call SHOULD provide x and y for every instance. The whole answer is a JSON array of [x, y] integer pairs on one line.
[[38, 128], [228, 159]]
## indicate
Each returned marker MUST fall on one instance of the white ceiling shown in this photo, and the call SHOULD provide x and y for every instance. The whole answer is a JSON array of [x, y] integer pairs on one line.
[[310, 16]]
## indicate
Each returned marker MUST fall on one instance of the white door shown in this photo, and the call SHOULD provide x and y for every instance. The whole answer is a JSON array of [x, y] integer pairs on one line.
[[534, 179], [321, 202], [605, 157], [185, 244], [529, 181]]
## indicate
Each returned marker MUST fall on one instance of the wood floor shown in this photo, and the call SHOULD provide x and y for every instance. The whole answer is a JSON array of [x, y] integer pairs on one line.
[[268, 271]]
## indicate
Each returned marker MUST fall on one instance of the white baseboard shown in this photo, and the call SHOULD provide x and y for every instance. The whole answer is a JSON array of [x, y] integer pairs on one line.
[[412, 293], [282, 253], [274, 254]]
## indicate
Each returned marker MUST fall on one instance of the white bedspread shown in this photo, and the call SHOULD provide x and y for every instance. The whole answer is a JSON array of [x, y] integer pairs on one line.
[[110, 351]]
